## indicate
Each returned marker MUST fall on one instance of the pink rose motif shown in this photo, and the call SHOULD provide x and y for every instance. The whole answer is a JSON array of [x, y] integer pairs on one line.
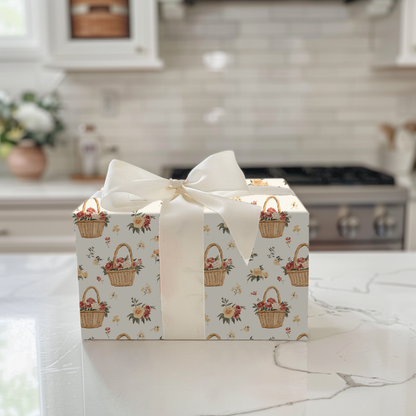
[[81, 305], [282, 216], [282, 307], [289, 266], [119, 266], [107, 330], [269, 305], [148, 308], [80, 214], [208, 265], [260, 305], [90, 210], [210, 260], [254, 293], [147, 217], [88, 214], [268, 214], [120, 260], [271, 300], [109, 265], [146, 315], [298, 265], [238, 308], [288, 240], [230, 261], [90, 300], [102, 307], [135, 264], [224, 264], [301, 260], [271, 210], [262, 214], [102, 217], [254, 203], [279, 278], [107, 239], [99, 278]]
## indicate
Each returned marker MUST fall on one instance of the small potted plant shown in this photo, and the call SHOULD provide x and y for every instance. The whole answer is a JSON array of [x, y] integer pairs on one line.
[[25, 127]]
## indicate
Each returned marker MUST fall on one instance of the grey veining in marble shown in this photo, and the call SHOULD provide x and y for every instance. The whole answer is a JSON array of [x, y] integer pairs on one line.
[[360, 358]]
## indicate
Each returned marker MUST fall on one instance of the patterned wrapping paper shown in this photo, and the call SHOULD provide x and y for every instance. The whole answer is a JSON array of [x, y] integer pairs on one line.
[[129, 291]]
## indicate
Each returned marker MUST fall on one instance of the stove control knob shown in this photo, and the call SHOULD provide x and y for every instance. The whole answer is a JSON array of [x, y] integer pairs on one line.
[[384, 223], [348, 226], [313, 228]]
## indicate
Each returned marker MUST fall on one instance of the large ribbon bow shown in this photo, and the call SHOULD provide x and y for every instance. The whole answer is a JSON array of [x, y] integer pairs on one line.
[[210, 184]]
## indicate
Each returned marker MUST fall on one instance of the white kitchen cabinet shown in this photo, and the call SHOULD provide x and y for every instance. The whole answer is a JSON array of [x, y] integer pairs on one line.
[[395, 37], [137, 51], [411, 228]]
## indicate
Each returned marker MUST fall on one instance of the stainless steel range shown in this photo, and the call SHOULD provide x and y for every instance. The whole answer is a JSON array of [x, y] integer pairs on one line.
[[351, 208]]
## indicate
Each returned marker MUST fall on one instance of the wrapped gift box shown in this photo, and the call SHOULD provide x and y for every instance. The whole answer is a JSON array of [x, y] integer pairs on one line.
[[119, 278]]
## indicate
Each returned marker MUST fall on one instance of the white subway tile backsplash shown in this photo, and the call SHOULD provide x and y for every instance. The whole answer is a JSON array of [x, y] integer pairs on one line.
[[299, 89]]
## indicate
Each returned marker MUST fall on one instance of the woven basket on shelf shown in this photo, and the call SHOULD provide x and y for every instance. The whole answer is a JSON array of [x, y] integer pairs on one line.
[[271, 228], [122, 277], [214, 277], [301, 336], [99, 18], [213, 335], [91, 319], [271, 319], [299, 278], [91, 228], [123, 335]]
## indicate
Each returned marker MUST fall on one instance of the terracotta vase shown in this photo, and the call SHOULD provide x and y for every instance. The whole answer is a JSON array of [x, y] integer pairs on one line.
[[27, 161]]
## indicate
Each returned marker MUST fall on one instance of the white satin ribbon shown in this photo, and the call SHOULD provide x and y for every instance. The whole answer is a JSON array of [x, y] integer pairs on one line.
[[181, 241]]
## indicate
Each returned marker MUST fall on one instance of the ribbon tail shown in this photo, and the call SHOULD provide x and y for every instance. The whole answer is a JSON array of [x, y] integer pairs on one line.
[[241, 218], [181, 248]]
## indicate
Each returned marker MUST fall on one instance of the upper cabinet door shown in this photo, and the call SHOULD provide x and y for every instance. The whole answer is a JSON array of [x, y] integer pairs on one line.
[[102, 35]]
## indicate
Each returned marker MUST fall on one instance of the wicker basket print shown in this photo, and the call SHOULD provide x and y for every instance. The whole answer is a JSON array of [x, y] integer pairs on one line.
[[122, 277], [214, 277], [301, 336], [274, 318], [213, 335], [271, 228], [91, 228], [299, 278], [92, 319], [123, 335]]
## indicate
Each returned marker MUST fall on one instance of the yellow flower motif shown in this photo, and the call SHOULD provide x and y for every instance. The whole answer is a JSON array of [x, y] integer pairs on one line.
[[231, 335], [140, 335], [228, 312], [156, 328], [296, 318], [116, 229], [266, 275], [95, 262], [296, 228], [85, 275], [155, 253], [207, 318], [141, 245], [276, 262], [246, 328], [116, 318], [259, 182], [138, 312], [237, 198], [155, 238], [206, 228], [138, 221], [236, 289], [231, 245], [113, 295], [146, 289], [206, 295], [257, 272]]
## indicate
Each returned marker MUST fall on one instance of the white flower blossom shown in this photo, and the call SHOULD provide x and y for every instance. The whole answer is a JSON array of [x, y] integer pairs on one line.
[[275, 306], [34, 118], [95, 306], [275, 215], [217, 264], [95, 216], [127, 264]]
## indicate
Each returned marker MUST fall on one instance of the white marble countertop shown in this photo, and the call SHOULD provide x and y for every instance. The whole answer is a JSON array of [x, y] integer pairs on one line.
[[45, 192], [360, 358]]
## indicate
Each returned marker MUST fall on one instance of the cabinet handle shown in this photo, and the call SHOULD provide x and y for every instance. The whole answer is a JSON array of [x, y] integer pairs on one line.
[[4, 232]]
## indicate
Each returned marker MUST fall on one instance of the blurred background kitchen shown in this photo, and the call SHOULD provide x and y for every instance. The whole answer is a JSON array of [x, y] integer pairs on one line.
[[322, 93]]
